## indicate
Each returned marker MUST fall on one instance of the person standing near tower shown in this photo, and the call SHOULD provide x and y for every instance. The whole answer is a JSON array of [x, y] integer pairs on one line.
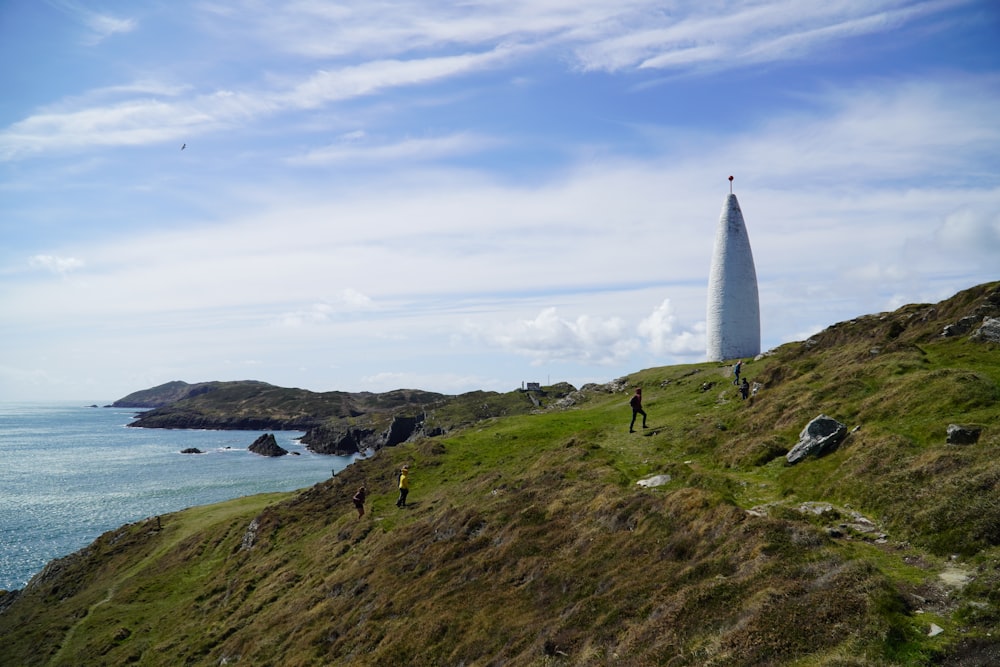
[[636, 405]]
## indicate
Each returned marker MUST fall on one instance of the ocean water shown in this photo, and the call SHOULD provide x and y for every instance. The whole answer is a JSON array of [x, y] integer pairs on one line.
[[69, 473]]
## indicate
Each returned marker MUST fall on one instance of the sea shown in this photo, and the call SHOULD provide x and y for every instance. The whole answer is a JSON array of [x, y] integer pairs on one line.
[[70, 472]]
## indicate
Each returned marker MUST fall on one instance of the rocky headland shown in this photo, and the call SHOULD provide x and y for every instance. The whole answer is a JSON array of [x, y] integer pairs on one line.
[[338, 423]]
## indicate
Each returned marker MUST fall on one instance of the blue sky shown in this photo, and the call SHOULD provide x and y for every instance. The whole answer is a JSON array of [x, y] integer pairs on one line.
[[451, 197]]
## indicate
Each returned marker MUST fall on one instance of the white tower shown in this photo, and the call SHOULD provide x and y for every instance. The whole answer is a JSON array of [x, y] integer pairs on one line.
[[733, 306]]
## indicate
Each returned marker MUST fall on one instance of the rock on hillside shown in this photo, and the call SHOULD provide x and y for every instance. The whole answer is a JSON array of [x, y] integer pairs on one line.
[[823, 434]]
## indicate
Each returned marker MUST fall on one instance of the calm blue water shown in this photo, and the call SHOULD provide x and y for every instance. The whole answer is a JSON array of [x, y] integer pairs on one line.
[[69, 473]]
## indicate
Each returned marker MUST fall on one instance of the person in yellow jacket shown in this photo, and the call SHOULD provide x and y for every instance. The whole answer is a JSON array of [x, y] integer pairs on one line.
[[404, 486]]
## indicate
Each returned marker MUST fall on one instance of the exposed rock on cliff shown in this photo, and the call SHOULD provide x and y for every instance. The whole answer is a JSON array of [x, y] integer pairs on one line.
[[823, 434], [339, 440], [989, 332], [963, 435]]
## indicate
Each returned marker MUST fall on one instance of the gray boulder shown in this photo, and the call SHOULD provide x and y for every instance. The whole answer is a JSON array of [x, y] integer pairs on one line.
[[989, 332], [963, 326], [266, 445], [963, 435], [820, 436]]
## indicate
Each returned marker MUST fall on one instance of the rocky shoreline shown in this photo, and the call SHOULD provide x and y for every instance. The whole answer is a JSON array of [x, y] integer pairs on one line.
[[334, 423]]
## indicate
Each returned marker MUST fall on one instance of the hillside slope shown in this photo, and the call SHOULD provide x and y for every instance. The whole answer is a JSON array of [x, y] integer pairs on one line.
[[528, 541]]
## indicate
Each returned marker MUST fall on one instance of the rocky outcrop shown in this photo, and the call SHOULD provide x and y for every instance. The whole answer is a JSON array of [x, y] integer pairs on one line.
[[339, 440], [820, 436], [250, 536], [988, 332], [402, 429], [654, 481], [344, 441], [7, 598], [266, 445], [962, 327], [192, 450], [963, 435]]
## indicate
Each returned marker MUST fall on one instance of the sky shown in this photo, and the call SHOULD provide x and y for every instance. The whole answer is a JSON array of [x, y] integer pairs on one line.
[[453, 196]]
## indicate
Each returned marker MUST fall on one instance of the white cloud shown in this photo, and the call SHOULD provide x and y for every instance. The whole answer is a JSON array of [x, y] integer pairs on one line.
[[874, 272], [658, 329], [877, 133], [368, 78], [549, 337], [55, 264], [103, 26], [734, 35], [147, 119], [376, 52], [98, 25], [975, 232], [346, 302], [324, 30], [601, 35], [353, 149]]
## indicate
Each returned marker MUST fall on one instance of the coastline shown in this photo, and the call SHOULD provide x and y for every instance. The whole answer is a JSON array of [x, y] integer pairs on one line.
[[75, 472]]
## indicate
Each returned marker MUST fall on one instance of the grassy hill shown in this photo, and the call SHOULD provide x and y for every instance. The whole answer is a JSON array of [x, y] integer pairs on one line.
[[529, 542]]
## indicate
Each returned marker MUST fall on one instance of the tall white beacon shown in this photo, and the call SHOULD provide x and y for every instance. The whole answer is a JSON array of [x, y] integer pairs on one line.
[[733, 317]]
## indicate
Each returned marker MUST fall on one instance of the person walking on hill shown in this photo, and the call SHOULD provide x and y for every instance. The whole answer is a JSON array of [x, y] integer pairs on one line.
[[636, 404], [745, 389], [404, 486], [359, 501], [736, 371]]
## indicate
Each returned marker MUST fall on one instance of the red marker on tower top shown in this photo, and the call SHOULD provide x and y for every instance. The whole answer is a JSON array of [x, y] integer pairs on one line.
[[730, 185]]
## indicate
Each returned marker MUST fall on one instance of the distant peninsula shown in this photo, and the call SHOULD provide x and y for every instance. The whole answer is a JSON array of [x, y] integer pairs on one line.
[[335, 422]]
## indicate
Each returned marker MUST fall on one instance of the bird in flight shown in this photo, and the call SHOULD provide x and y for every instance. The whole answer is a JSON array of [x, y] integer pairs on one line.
[[183, 146]]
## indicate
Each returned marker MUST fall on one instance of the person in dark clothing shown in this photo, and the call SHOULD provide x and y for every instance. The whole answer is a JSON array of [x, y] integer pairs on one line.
[[745, 389], [359, 501], [736, 371], [636, 404]]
